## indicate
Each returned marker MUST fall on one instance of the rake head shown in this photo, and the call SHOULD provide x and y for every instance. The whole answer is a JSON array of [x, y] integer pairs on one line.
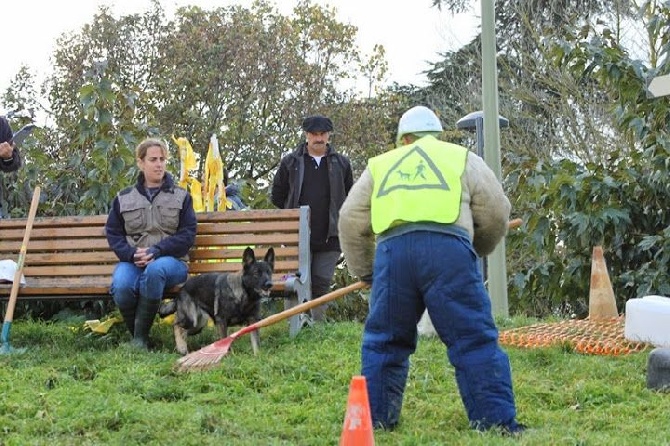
[[205, 358]]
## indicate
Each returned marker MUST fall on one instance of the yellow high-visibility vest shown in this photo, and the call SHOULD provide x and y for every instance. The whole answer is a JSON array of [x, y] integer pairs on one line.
[[418, 182]]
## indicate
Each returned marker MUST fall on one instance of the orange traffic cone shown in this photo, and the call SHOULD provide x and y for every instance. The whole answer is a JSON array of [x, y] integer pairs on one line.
[[602, 304], [357, 429]]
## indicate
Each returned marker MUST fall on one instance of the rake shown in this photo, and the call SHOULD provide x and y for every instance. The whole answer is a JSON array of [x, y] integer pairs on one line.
[[14, 293], [211, 354]]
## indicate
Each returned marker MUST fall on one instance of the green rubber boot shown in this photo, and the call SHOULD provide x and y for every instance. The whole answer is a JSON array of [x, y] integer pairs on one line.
[[144, 319], [128, 315]]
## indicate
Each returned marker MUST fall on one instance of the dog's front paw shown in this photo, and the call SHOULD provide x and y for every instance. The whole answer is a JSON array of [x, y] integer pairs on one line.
[[182, 351]]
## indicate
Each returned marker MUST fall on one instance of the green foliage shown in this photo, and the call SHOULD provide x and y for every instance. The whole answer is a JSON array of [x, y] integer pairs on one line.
[[352, 307], [568, 209], [620, 203]]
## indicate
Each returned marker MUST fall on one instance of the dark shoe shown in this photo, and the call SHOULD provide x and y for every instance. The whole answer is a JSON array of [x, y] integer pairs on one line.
[[385, 427], [513, 430], [319, 313]]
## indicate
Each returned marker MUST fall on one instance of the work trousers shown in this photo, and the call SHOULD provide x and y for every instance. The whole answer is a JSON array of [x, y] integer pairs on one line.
[[438, 272]]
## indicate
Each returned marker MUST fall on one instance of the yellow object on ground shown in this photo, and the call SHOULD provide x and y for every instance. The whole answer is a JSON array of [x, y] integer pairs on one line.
[[101, 327]]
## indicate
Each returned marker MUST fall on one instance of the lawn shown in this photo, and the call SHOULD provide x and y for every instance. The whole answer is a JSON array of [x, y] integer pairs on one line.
[[72, 387]]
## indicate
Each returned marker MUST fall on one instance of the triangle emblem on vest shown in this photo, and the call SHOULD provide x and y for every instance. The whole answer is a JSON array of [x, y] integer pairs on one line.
[[413, 171]]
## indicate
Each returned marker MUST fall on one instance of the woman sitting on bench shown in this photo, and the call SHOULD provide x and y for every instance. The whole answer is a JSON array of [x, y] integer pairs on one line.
[[151, 228]]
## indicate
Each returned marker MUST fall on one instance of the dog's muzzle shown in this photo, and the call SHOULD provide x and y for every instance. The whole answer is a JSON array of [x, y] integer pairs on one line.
[[265, 289]]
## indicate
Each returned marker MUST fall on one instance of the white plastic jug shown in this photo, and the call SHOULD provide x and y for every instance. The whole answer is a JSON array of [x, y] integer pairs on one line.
[[648, 320]]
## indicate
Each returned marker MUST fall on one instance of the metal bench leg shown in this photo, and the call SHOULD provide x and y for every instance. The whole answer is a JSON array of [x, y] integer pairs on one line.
[[298, 292]]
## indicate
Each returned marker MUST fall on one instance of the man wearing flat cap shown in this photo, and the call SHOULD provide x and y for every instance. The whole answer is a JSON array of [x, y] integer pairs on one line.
[[317, 123], [315, 174]]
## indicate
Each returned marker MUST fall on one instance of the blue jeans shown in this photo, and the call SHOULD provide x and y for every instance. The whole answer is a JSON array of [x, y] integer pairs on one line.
[[130, 283], [438, 272]]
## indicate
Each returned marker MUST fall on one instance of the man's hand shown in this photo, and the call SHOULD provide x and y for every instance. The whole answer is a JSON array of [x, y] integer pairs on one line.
[[367, 279], [6, 151]]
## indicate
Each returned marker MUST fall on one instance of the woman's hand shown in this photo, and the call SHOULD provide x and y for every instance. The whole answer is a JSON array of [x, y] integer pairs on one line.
[[142, 257]]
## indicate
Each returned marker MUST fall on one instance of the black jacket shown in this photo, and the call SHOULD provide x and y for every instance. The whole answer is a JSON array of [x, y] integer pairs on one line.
[[14, 162], [287, 183], [6, 135]]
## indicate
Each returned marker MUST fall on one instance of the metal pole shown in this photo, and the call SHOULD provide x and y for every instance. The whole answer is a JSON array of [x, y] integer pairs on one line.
[[497, 269], [479, 132]]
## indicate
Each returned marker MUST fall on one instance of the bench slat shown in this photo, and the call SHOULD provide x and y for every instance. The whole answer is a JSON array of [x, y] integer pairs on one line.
[[253, 227], [97, 257], [71, 272], [46, 222], [92, 287]]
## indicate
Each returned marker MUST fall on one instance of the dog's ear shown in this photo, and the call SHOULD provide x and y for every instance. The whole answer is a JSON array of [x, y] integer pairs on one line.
[[270, 257], [248, 257]]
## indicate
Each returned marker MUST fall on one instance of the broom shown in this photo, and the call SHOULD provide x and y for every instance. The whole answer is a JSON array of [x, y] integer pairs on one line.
[[209, 355], [13, 296]]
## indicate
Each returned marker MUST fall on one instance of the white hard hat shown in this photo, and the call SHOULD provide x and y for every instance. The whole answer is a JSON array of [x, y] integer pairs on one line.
[[418, 119]]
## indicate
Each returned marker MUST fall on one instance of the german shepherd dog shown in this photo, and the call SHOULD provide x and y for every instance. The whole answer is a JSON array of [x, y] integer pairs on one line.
[[227, 298]]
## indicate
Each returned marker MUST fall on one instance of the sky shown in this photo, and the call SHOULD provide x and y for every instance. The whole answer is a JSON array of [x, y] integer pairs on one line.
[[412, 35]]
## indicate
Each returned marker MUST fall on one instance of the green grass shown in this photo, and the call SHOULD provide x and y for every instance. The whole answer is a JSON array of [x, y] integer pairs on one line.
[[71, 387]]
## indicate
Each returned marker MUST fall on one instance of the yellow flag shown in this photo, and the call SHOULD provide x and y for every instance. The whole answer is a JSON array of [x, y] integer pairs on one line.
[[214, 191], [187, 157], [189, 163], [196, 193]]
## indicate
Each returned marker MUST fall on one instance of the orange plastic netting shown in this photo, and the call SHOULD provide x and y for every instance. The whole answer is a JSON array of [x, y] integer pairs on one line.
[[596, 337]]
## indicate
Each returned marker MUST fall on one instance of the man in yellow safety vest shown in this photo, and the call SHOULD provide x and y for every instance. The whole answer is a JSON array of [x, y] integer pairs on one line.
[[414, 226]]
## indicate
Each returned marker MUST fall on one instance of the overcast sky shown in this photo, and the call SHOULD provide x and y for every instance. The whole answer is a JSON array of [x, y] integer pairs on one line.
[[412, 32]]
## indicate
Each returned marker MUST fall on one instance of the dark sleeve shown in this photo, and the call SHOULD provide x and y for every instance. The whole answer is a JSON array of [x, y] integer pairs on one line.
[[12, 164], [116, 234], [280, 186], [348, 176], [6, 135], [180, 243]]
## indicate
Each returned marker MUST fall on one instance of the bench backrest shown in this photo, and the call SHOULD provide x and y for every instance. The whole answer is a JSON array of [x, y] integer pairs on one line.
[[70, 255]]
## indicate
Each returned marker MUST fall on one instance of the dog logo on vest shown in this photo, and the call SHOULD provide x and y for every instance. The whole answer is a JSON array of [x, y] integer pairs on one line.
[[413, 171]]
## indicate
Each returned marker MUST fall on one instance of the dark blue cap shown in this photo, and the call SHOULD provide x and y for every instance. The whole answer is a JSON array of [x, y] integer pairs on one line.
[[317, 123]]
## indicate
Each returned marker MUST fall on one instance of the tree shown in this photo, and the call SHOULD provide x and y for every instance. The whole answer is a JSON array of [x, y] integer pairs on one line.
[[246, 75], [621, 200]]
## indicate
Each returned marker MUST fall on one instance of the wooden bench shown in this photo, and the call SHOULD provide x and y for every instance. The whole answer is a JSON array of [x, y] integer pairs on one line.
[[69, 258]]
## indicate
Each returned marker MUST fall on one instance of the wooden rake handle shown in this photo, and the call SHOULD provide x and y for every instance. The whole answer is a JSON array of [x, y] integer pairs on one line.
[[14, 293], [305, 306]]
